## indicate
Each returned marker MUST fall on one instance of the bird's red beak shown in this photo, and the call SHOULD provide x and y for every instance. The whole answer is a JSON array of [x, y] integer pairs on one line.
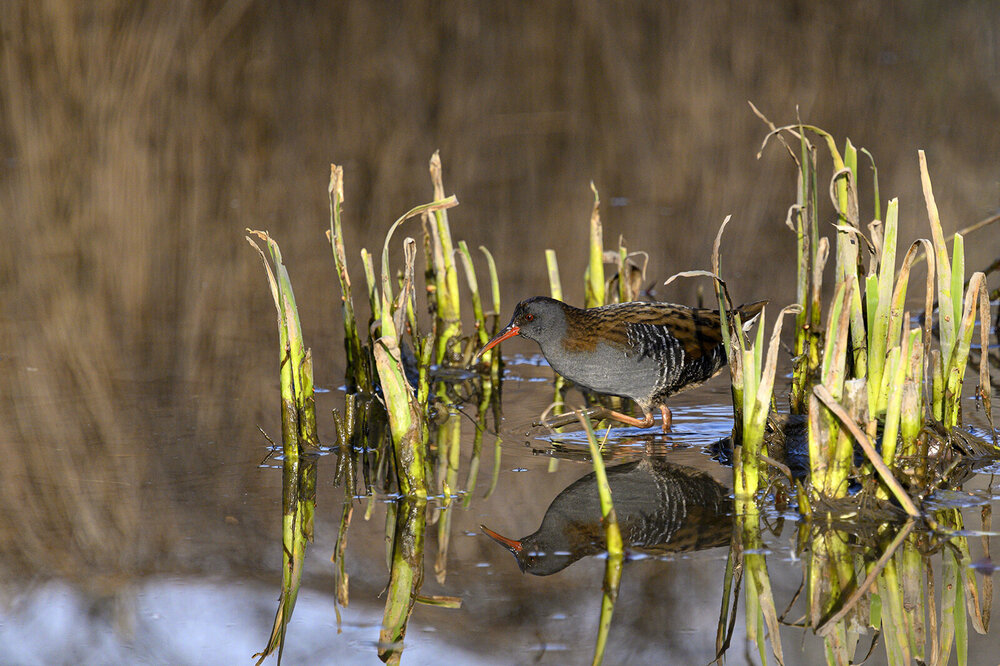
[[512, 545], [508, 332]]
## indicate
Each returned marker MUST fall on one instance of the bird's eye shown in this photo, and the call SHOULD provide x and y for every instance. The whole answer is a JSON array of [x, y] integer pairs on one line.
[[529, 317]]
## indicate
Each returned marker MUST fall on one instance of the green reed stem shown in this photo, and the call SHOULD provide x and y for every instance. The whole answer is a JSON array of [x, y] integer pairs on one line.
[[880, 314], [594, 275], [447, 295], [373, 297], [955, 368], [405, 420], [555, 289], [946, 306], [827, 472]]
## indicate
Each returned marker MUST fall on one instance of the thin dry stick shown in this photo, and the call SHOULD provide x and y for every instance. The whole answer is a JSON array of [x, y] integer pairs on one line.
[[897, 490], [966, 231], [852, 601]]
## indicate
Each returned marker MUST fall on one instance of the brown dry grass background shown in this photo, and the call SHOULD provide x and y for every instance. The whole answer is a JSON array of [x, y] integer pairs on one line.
[[138, 139]]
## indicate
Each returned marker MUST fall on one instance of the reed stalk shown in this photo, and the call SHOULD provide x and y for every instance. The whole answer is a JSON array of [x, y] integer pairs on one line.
[[758, 387], [495, 359], [827, 472], [405, 414], [911, 402], [613, 540], [955, 368], [447, 297], [356, 374], [559, 384], [374, 300], [477, 302], [879, 296], [299, 435], [298, 405], [594, 275], [946, 305], [800, 358]]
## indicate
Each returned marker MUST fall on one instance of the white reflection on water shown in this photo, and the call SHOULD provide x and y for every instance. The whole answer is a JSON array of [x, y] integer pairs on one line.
[[198, 622]]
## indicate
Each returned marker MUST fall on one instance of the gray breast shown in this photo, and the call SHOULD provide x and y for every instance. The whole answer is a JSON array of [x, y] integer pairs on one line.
[[609, 369]]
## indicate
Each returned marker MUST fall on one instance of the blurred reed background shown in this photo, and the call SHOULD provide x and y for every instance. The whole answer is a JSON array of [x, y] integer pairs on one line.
[[139, 139]]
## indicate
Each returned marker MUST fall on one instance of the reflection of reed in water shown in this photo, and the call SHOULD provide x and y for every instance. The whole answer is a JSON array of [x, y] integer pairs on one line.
[[662, 507]]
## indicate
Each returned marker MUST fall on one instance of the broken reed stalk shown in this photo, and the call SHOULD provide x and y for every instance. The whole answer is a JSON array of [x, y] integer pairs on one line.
[[946, 305], [613, 539], [405, 414], [827, 472], [878, 294], [753, 380], [446, 296], [594, 275], [758, 388], [356, 375], [298, 404], [955, 323], [299, 435]]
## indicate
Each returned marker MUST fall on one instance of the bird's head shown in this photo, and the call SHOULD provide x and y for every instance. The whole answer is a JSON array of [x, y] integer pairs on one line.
[[539, 319]]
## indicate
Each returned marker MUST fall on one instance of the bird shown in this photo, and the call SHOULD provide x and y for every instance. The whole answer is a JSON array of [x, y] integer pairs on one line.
[[661, 507], [639, 350]]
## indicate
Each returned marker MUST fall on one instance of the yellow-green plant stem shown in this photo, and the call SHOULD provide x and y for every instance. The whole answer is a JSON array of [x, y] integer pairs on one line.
[[594, 276], [555, 289], [446, 296], [405, 414]]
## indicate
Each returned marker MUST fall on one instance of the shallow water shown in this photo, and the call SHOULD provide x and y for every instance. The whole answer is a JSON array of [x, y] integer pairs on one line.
[[212, 598]]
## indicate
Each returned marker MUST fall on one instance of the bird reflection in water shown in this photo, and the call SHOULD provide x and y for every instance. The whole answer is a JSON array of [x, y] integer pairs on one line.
[[662, 507]]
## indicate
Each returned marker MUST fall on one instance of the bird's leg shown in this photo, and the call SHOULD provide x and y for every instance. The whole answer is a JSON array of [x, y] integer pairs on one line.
[[667, 417]]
